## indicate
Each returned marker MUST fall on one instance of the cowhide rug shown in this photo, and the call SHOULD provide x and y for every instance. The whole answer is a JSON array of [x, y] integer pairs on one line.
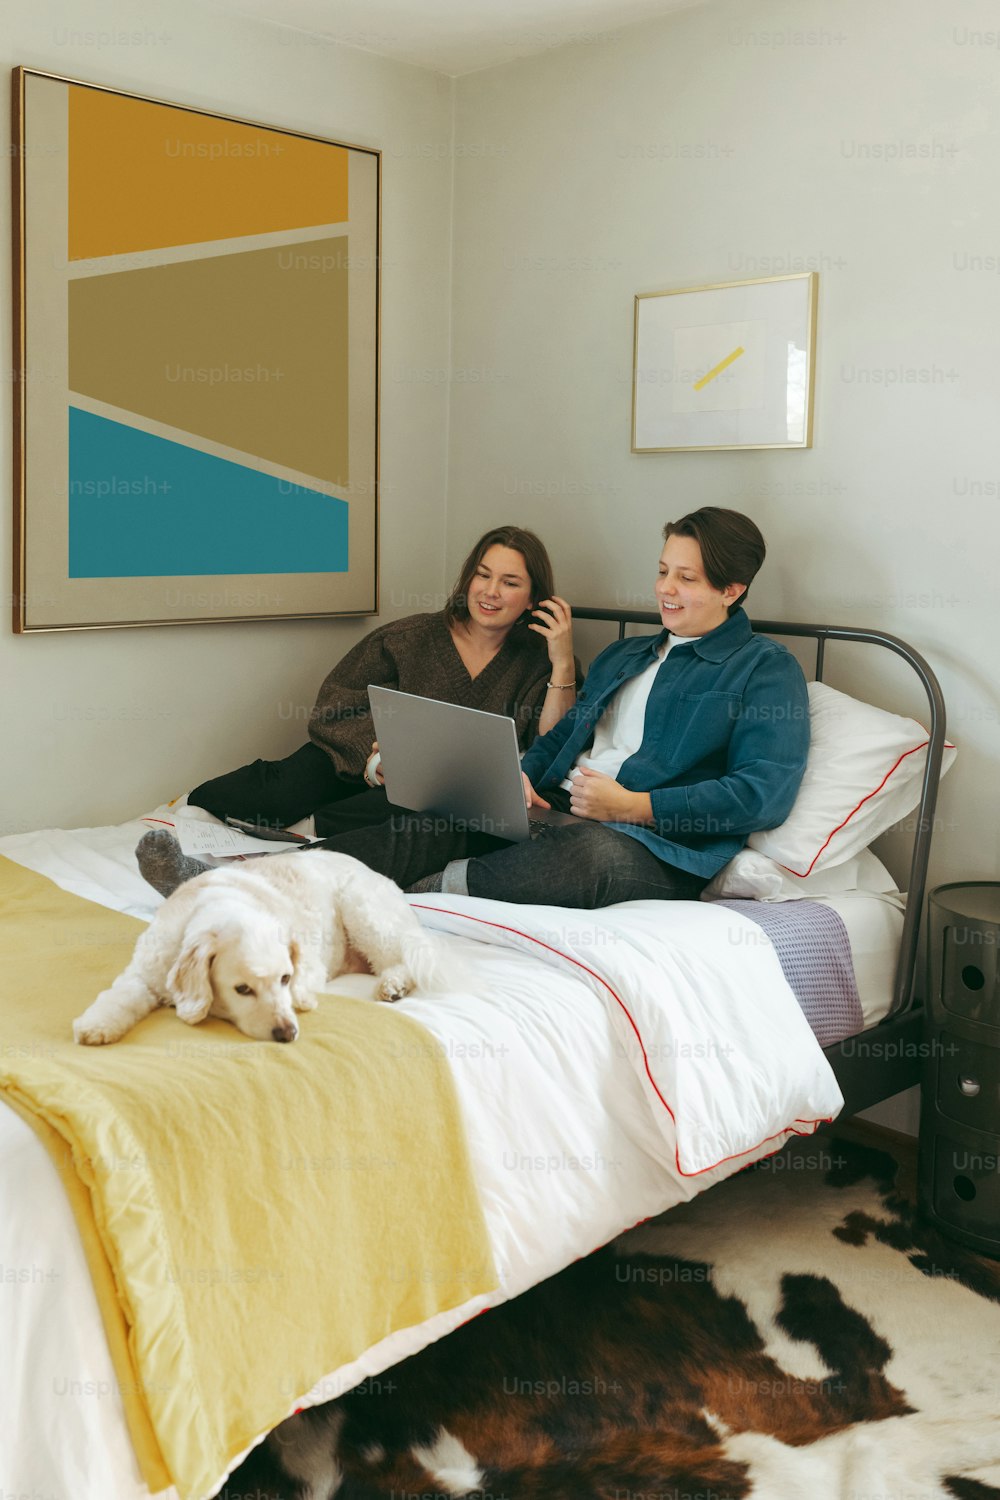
[[793, 1334]]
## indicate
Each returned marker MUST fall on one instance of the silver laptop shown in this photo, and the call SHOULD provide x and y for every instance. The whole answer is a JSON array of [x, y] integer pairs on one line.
[[460, 762]]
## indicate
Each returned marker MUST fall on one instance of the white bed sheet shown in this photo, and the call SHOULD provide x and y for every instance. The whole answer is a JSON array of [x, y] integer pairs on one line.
[[585, 1115], [874, 924]]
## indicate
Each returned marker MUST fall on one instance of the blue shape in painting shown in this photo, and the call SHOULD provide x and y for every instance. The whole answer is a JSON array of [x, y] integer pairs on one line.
[[141, 506]]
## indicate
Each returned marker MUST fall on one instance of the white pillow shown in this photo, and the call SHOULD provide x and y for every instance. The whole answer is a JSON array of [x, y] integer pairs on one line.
[[863, 774], [754, 877]]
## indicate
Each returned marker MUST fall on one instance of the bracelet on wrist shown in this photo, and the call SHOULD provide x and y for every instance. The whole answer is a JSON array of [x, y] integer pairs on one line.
[[563, 686]]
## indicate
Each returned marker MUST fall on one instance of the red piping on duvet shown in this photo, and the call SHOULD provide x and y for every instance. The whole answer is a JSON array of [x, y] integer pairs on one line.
[[787, 1130]]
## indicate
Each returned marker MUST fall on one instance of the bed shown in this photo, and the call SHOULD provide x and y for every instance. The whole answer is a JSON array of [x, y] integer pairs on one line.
[[605, 1066]]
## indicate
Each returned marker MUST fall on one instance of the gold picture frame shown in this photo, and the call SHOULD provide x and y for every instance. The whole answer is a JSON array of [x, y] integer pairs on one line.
[[729, 365], [196, 364]]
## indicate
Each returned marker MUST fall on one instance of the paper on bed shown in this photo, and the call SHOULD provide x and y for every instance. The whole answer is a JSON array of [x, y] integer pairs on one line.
[[219, 841], [221, 1173], [204, 837], [702, 1010]]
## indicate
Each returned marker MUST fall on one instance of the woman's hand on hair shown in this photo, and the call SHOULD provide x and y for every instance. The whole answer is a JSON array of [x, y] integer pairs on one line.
[[555, 622], [594, 795], [553, 619]]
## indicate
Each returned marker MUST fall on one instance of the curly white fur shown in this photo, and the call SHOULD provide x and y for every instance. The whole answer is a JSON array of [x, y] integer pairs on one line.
[[253, 943]]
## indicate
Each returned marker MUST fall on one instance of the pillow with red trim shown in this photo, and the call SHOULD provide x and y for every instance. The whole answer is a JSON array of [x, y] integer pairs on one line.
[[864, 773]]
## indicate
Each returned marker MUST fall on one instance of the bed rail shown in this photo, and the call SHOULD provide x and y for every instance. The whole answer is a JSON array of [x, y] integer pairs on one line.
[[902, 998]]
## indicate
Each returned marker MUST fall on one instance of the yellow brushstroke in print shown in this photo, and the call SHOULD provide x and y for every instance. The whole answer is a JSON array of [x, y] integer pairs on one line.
[[722, 365]]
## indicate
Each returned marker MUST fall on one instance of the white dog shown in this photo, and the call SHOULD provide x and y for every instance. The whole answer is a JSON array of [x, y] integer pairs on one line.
[[253, 943]]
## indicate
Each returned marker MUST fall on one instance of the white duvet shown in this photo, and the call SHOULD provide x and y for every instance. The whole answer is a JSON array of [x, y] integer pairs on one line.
[[609, 1064]]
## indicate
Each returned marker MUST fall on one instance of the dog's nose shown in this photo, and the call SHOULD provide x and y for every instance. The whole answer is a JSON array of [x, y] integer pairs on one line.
[[286, 1033]]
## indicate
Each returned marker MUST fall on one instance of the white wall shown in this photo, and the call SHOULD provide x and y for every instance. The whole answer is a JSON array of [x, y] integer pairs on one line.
[[858, 139], [101, 725]]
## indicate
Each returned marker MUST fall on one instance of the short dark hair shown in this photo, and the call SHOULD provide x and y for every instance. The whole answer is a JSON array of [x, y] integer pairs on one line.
[[732, 548], [536, 560]]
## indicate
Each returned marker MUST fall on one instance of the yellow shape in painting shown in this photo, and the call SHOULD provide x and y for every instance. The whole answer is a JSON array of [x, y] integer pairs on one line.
[[143, 176], [718, 369]]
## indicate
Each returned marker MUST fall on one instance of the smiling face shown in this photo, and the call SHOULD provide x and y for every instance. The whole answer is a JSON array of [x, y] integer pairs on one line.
[[499, 591], [689, 605]]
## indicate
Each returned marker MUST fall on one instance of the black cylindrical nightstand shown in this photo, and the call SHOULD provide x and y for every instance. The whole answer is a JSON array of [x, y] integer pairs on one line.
[[960, 1096]]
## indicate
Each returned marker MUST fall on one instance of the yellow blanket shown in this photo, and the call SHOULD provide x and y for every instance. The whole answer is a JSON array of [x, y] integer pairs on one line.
[[254, 1216]]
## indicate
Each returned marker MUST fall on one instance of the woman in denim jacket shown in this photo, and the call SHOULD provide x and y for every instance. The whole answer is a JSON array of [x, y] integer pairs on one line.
[[719, 717]]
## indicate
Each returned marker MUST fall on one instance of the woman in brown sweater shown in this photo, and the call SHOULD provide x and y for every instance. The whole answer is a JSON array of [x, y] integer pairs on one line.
[[503, 643]]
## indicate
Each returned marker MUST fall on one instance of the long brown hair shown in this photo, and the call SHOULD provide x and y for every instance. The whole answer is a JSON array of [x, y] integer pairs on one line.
[[536, 560], [732, 548]]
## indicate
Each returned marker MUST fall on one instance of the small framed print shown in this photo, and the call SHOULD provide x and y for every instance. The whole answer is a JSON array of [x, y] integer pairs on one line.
[[196, 304], [725, 366]]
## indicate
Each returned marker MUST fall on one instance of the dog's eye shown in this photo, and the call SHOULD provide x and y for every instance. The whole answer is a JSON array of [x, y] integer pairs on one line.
[[286, 978], [243, 989]]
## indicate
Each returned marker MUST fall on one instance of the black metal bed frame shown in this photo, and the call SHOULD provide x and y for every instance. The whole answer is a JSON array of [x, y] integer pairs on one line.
[[881, 1062]]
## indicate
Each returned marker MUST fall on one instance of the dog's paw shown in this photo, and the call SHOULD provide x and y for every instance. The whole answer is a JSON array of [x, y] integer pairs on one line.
[[394, 983], [93, 1033], [304, 999]]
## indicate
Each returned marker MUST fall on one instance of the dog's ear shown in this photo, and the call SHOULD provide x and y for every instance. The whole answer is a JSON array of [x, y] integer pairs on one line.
[[189, 983]]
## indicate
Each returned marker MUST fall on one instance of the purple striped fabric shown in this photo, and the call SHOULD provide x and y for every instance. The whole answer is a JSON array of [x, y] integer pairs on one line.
[[813, 948]]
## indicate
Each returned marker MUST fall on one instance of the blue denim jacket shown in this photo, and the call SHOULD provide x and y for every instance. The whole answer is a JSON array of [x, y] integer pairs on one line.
[[723, 748]]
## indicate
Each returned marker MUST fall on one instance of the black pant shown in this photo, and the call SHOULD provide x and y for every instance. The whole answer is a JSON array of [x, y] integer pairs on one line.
[[582, 864], [280, 792]]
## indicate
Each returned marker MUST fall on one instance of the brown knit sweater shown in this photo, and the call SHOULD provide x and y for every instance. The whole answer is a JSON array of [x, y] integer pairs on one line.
[[418, 655]]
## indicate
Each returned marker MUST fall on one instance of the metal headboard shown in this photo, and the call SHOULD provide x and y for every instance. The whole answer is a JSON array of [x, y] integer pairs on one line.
[[902, 996]]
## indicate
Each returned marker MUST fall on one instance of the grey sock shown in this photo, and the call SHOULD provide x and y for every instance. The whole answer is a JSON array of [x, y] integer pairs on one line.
[[455, 878], [163, 863], [451, 881]]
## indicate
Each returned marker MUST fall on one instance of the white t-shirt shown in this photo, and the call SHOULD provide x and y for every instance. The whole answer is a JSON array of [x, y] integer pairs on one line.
[[619, 731]]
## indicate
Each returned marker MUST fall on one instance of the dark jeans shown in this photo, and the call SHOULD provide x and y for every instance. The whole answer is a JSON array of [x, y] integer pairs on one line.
[[583, 864], [280, 792]]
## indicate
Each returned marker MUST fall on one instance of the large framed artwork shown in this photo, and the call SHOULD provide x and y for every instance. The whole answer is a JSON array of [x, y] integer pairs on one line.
[[196, 364], [726, 366]]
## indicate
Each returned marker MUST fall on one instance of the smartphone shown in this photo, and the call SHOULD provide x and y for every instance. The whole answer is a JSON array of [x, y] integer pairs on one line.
[[274, 835]]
